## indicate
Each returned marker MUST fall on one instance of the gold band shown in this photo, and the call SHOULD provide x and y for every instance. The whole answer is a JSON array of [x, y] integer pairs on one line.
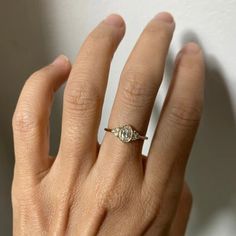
[[126, 133]]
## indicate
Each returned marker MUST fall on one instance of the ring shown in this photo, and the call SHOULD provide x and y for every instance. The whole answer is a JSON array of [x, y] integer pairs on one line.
[[126, 133]]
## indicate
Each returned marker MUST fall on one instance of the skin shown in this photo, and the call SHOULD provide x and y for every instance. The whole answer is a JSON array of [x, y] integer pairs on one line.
[[108, 188]]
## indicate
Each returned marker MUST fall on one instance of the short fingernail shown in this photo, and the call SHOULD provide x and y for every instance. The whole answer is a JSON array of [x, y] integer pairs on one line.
[[165, 16], [60, 60], [191, 48], [114, 20]]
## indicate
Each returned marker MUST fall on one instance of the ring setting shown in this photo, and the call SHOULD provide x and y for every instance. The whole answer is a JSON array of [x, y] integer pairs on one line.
[[126, 133]]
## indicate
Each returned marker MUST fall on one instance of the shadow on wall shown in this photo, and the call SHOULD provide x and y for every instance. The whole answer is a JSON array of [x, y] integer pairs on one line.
[[212, 169], [23, 49]]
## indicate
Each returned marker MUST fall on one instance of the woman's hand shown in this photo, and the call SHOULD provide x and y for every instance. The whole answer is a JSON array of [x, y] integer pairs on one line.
[[110, 189]]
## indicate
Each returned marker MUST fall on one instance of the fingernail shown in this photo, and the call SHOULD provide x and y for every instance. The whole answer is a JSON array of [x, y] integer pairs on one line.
[[165, 16], [60, 60], [191, 48], [114, 20]]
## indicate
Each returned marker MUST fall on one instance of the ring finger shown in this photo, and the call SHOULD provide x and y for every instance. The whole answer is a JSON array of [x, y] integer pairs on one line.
[[139, 83]]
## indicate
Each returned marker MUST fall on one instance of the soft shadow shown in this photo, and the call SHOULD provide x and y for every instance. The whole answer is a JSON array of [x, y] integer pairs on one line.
[[23, 49]]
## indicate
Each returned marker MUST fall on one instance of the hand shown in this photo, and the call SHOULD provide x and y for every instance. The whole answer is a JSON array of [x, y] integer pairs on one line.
[[110, 189]]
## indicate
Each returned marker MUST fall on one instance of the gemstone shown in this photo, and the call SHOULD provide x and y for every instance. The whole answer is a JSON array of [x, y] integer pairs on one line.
[[125, 133], [135, 135], [116, 131]]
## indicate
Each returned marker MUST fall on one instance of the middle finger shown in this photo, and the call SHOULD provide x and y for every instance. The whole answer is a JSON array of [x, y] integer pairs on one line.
[[84, 93]]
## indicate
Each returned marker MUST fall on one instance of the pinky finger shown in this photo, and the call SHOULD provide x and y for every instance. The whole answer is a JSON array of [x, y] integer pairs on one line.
[[179, 224]]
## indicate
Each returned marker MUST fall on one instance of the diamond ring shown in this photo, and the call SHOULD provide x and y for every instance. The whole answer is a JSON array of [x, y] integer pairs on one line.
[[126, 133]]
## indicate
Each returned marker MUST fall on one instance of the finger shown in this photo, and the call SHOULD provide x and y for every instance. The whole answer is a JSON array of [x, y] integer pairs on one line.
[[31, 117], [84, 93], [181, 218], [179, 119], [164, 206], [139, 82]]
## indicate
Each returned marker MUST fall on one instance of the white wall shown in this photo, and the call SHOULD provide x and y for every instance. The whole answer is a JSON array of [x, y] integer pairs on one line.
[[33, 32]]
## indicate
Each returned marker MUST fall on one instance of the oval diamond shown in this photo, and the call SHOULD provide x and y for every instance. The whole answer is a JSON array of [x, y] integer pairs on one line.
[[126, 133]]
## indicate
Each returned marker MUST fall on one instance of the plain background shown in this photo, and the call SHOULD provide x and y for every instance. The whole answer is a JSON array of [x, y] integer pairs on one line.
[[33, 32]]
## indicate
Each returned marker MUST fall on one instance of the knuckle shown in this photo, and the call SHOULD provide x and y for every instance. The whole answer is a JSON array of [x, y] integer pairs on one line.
[[185, 115], [101, 195], [119, 198], [23, 121], [113, 199], [135, 92], [81, 97], [105, 200], [24, 118]]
